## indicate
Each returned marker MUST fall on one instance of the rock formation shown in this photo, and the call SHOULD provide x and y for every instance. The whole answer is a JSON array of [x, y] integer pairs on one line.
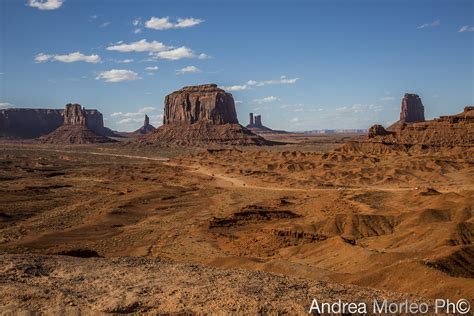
[[378, 130], [33, 123], [412, 109], [446, 131], [74, 130], [205, 103], [146, 128], [256, 126], [200, 115]]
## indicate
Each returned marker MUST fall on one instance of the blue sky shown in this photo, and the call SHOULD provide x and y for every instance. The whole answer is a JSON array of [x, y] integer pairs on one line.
[[300, 64]]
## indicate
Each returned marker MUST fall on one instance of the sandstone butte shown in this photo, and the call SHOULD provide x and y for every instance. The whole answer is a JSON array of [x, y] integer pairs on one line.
[[413, 130], [74, 129], [200, 115]]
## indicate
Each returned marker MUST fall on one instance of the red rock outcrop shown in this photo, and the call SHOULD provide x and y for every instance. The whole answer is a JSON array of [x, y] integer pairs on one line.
[[446, 131], [378, 130], [74, 130], [146, 128], [200, 116], [74, 114], [412, 109], [256, 126], [205, 103], [33, 123]]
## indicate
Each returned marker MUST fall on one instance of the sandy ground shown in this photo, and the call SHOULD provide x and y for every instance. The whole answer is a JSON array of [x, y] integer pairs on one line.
[[397, 222], [68, 285]]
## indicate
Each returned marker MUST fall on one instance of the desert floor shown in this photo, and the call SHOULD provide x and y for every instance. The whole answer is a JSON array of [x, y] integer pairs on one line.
[[122, 229]]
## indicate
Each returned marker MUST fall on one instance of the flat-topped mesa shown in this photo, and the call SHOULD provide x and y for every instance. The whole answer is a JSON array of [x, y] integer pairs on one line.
[[200, 116], [205, 103], [412, 109]]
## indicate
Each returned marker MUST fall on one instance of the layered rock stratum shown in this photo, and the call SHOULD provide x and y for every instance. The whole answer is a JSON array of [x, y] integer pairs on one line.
[[445, 131], [75, 129], [201, 115], [32, 123], [412, 109]]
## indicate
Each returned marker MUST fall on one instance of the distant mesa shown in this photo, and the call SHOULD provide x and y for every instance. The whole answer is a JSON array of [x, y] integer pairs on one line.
[[412, 128], [146, 128], [200, 115], [75, 129], [32, 123]]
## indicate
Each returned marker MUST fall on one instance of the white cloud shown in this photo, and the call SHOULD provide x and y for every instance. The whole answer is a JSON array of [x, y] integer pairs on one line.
[[46, 4], [124, 61], [140, 112], [176, 54], [165, 23], [266, 100], [147, 109], [117, 75], [432, 24], [294, 120], [187, 70], [105, 24], [154, 68], [77, 56], [360, 108], [203, 56], [137, 31], [139, 46], [69, 58], [387, 98], [41, 58], [137, 22], [466, 28], [282, 80], [6, 105], [234, 88], [254, 83], [188, 22], [129, 121]]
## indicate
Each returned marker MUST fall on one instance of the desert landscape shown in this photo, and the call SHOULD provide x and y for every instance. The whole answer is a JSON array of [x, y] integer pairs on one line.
[[179, 214], [302, 156]]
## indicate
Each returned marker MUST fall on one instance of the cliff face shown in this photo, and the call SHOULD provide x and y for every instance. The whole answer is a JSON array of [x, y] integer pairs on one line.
[[29, 123], [33, 123], [74, 114], [199, 116], [75, 128], [205, 103], [446, 131], [412, 109]]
